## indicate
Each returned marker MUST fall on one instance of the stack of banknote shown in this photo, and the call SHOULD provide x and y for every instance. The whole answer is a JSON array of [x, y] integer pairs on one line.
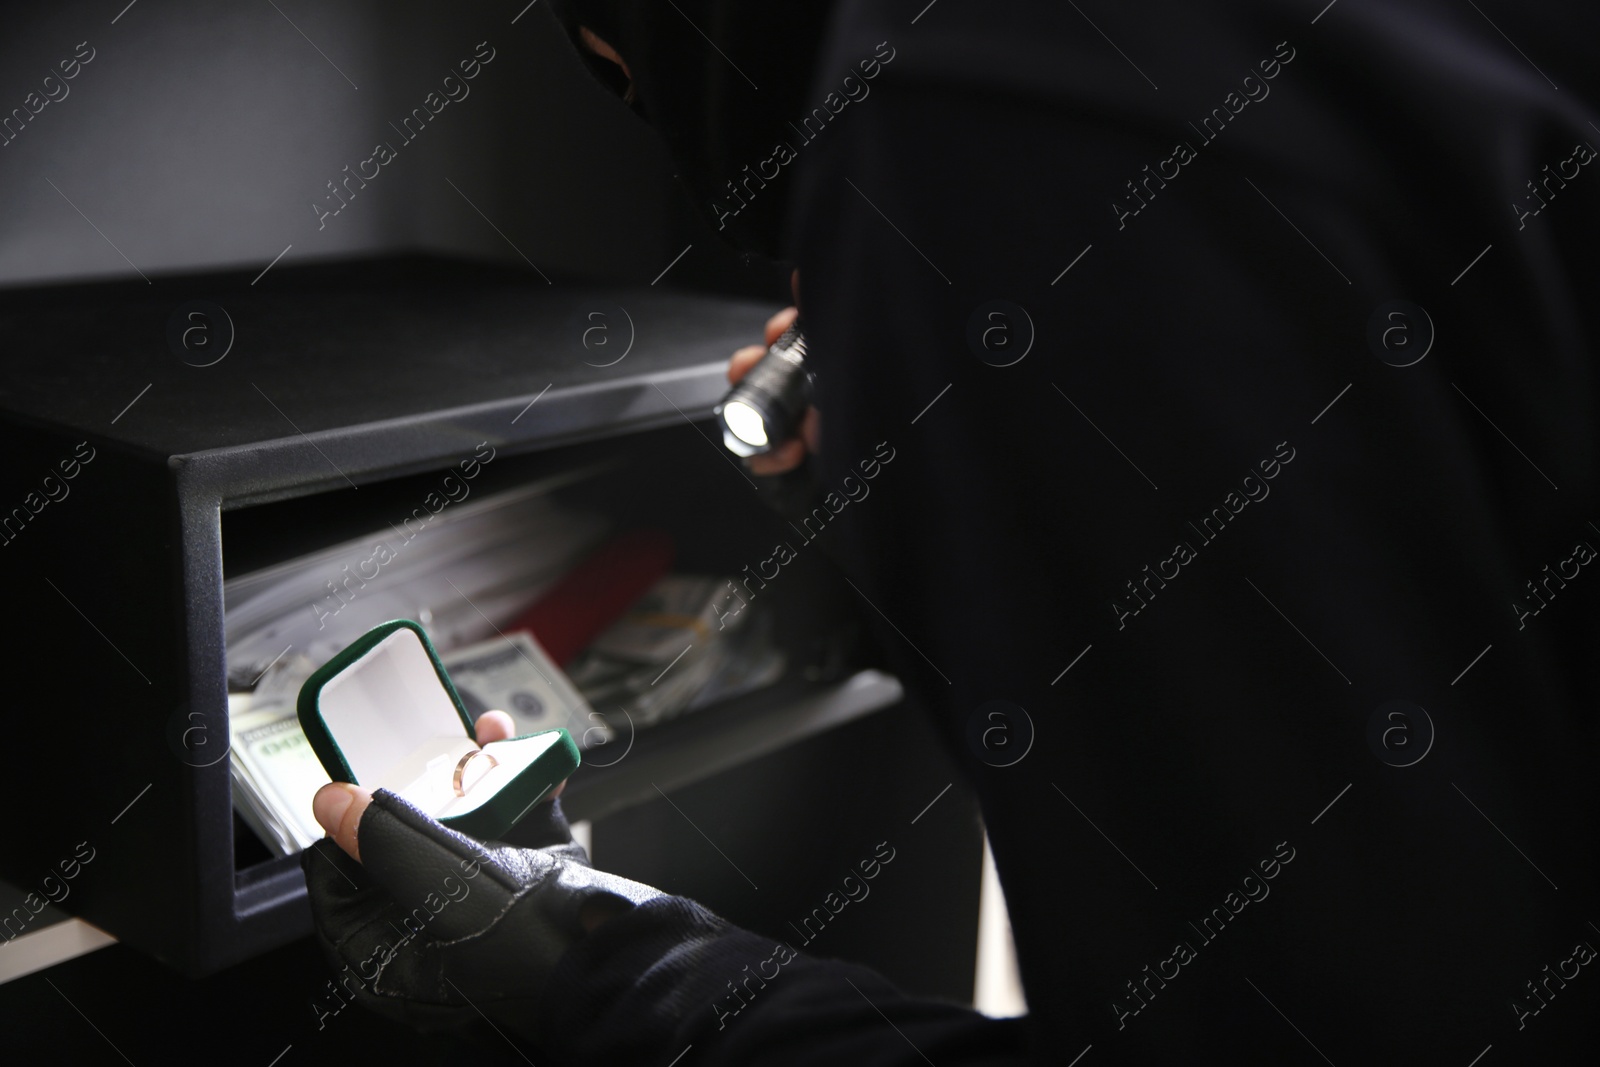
[[687, 643], [275, 773]]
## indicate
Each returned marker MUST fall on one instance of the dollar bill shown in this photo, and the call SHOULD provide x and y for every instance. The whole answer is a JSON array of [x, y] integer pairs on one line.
[[513, 674], [275, 775]]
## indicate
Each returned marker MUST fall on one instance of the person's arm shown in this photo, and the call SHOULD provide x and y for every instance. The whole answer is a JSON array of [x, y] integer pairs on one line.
[[429, 927]]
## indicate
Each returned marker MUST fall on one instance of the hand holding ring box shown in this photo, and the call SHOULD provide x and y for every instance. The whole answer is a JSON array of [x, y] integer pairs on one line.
[[384, 714]]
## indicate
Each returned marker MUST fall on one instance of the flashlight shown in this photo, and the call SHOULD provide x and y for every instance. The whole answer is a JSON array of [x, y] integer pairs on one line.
[[764, 409]]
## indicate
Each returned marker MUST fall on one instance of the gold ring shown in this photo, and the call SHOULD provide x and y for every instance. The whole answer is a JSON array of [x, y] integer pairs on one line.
[[455, 779]]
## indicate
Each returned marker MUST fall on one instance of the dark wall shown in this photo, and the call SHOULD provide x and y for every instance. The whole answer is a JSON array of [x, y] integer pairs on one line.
[[200, 134]]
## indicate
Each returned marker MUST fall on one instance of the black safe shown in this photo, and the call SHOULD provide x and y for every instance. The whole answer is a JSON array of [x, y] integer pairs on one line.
[[305, 412]]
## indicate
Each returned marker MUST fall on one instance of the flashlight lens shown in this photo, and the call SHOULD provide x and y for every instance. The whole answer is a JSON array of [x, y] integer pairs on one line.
[[746, 423]]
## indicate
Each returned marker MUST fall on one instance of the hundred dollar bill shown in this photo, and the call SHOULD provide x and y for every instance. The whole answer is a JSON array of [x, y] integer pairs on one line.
[[275, 775], [513, 674]]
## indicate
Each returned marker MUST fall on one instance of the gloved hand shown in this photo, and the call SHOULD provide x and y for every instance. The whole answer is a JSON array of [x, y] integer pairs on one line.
[[788, 455], [427, 926]]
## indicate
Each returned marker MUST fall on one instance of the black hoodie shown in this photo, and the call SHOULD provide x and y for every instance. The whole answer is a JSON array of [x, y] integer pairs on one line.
[[1236, 363], [720, 81]]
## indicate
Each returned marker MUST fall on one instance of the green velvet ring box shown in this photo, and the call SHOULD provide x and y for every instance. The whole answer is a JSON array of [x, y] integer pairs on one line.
[[384, 714]]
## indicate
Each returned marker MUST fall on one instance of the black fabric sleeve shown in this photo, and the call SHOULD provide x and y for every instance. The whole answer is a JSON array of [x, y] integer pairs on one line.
[[669, 978]]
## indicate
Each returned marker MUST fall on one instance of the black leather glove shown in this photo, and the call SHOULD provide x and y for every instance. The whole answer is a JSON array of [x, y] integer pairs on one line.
[[432, 927]]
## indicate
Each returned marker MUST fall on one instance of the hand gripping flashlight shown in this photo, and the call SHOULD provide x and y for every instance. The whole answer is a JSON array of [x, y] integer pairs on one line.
[[764, 409]]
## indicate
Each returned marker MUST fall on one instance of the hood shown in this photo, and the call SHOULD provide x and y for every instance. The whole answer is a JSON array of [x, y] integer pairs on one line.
[[720, 81]]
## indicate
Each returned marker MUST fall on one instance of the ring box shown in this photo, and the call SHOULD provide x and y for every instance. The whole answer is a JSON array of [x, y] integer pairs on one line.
[[384, 714]]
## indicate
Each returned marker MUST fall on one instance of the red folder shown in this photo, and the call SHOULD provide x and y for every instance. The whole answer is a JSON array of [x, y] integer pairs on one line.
[[597, 592]]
